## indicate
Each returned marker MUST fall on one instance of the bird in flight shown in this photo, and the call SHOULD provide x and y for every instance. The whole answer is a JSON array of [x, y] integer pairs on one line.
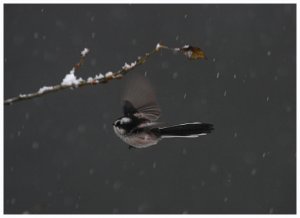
[[138, 127]]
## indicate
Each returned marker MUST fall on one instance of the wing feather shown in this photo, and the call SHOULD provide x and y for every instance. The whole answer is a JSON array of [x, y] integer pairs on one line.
[[139, 99]]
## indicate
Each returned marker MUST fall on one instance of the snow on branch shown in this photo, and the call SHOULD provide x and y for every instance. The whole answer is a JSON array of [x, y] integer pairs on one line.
[[70, 80]]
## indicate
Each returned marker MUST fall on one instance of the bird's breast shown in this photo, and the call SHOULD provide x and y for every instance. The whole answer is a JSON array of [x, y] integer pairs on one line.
[[137, 139]]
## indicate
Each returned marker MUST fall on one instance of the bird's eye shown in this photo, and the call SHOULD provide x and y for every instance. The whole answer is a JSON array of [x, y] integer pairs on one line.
[[117, 123]]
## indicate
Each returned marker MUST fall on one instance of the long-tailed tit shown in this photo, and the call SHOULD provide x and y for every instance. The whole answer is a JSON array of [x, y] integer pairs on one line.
[[138, 126]]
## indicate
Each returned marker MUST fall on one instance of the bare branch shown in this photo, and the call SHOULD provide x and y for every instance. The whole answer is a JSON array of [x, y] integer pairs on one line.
[[70, 81]]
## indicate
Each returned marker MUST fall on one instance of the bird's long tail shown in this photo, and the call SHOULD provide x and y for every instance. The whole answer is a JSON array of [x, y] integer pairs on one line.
[[189, 130]]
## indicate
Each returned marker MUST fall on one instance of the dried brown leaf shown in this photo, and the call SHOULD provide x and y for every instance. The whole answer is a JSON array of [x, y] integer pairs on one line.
[[193, 53]]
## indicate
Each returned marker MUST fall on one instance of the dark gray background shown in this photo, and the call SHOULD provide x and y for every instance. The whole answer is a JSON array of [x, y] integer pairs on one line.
[[61, 154]]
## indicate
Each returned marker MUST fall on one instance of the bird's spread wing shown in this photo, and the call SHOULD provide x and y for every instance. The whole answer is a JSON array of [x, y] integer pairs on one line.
[[139, 100], [150, 112], [128, 108]]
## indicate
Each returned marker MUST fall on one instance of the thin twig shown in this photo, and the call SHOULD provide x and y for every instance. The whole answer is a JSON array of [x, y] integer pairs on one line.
[[71, 82]]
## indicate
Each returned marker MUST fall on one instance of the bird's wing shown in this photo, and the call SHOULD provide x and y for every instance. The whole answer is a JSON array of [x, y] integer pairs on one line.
[[150, 112], [139, 99], [150, 125], [128, 108]]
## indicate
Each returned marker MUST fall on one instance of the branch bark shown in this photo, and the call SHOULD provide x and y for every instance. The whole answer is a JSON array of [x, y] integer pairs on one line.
[[190, 52]]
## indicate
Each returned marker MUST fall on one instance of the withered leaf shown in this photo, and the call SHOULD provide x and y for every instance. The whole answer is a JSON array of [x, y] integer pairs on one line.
[[193, 53]]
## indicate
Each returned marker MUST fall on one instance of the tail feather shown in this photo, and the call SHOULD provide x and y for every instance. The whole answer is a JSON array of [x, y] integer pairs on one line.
[[186, 130]]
